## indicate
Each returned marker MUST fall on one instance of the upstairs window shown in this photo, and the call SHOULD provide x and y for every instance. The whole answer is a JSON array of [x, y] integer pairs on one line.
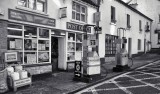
[[140, 25], [113, 14], [79, 12], [128, 21], [39, 5]]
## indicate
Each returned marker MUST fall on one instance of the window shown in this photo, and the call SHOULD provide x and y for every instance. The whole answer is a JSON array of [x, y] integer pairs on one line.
[[158, 38], [140, 25], [128, 21], [139, 44], [32, 43], [113, 14], [78, 12], [33, 4], [110, 45], [147, 27]]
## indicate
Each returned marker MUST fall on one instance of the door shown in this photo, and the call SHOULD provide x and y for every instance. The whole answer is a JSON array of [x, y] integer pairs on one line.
[[54, 53], [145, 50], [130, 47]]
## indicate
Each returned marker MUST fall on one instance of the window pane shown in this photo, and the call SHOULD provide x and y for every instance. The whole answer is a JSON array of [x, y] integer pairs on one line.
[[22, 3], [32, 4], [83, 10], [40, 6], [83, 17], [74, 6], [77, 16], [78, 8], [73, 15]]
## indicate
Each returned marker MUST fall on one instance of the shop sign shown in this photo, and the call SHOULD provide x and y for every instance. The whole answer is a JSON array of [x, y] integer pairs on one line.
[[77, 27], [1, 11], [63, 12], [23, 16], [78, 67]]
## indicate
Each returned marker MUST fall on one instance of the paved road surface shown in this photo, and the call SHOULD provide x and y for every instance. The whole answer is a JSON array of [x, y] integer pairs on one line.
[[144, 80]]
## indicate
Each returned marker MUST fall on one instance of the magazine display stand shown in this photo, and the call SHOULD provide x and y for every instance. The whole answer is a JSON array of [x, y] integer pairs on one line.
[[17, 77]]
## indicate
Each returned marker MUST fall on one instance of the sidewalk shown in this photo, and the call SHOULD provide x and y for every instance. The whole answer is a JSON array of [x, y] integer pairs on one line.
[[62, 83]]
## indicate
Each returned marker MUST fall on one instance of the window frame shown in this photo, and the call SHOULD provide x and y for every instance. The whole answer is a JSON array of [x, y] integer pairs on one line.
[[158, 41], [113, 14], [44, 3], [139, 44], [128, 21], [140, 25], [80, 12], [110, 45]]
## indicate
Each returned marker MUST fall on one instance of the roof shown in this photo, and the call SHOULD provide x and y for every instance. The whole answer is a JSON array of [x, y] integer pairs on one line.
[[90, 2], [133, 9]]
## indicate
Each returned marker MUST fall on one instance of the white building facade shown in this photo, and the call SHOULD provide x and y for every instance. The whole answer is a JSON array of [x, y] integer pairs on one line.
[[151, 8], [117, 14], [47, 34]]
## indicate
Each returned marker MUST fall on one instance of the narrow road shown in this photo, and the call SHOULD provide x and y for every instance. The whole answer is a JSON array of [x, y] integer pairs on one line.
[[144, 80]]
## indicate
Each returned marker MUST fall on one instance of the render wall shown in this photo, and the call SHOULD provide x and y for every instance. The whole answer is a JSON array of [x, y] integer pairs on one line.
[[121, 17], [151, 8]]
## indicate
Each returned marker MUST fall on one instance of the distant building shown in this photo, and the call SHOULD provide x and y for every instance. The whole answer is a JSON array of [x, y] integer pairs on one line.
[[118, 14], [151, 8]]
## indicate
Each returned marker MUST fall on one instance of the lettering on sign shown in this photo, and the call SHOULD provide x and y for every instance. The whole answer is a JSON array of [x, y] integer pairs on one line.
[[77, 27], [23, 16]]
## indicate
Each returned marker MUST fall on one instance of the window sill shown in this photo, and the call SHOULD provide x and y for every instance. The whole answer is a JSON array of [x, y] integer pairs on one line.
[[79, 22], [111, 23], [32, 11]]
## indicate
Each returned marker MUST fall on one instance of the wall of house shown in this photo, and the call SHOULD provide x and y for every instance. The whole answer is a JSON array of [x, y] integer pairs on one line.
[[53, 7], [151, 8], [121, 17]]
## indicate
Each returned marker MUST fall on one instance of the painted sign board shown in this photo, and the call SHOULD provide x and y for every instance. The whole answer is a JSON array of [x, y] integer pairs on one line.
[[27, 17], [78, 67], [77, 27]]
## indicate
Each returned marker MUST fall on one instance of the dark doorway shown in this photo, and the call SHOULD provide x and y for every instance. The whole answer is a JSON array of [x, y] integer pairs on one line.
[[130, 47], [54, 53]]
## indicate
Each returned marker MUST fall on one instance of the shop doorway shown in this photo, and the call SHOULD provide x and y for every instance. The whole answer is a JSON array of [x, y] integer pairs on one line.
[[130, 47], [54, 53]]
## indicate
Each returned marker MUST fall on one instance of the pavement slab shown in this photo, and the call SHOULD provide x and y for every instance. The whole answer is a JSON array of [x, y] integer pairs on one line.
[[143, 76], [144, 90], [129, 83], [107, 86]]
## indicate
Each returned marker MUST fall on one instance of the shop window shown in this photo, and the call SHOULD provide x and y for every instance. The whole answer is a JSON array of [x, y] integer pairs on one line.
[[140, 25], [31, 42], [110, 48], [139, 44], [158, 38], [39, 5], [79, 12], [128, 21], [74, 47], [113, 14]]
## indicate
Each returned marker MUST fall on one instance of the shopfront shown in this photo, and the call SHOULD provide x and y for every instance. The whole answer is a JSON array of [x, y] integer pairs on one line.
[[30, 36], [74, 43]]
